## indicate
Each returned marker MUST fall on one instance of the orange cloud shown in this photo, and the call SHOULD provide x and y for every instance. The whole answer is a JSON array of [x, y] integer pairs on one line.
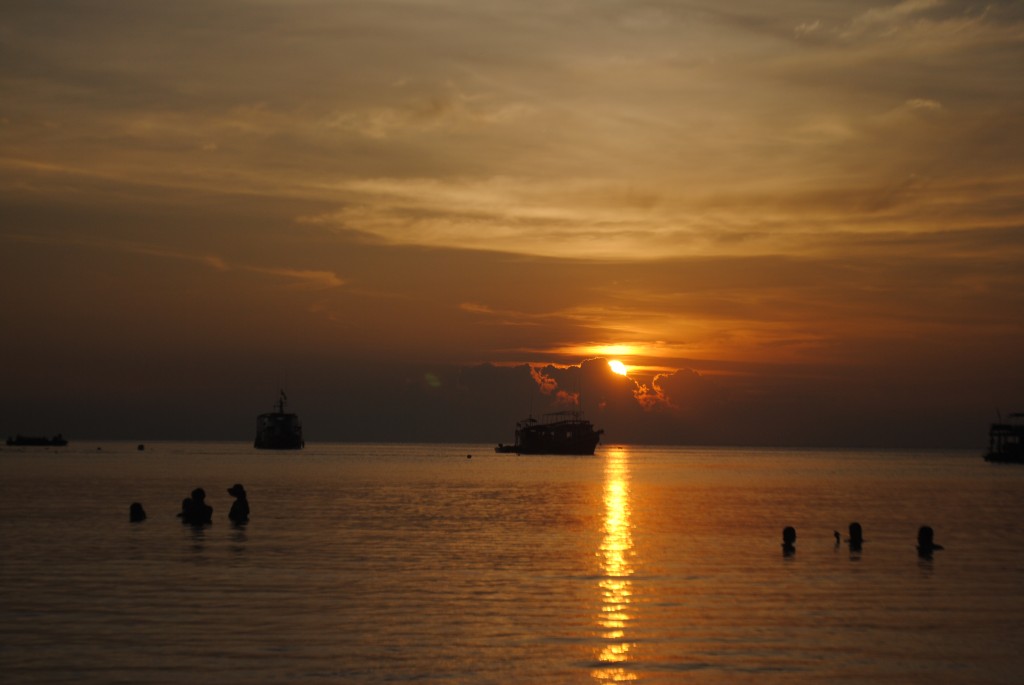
[[547, 384], [650, 396], [567, 399]]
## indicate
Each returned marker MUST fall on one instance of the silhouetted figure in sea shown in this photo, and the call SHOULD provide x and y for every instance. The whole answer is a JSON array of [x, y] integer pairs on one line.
[[240, 507], [194, 510], [136, 513], [788, 541], [856, 537], [838, 537], [926, 542]]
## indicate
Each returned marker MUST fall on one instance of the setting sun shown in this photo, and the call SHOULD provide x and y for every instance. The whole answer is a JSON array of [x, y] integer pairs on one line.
[[618, 367]]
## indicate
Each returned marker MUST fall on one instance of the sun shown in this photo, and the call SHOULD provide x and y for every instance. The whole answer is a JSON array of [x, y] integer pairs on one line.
[[618, 367]]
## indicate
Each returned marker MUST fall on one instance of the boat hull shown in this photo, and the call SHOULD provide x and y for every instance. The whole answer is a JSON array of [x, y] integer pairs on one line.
[[32, 441], [576, 439], [279, 432], [1005, 457]]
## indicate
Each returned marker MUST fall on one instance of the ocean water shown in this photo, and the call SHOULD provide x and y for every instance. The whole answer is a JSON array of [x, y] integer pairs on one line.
[[414, 563]]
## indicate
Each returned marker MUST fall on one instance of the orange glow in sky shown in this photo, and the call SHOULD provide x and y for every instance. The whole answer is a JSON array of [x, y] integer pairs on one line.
[[691, 191]]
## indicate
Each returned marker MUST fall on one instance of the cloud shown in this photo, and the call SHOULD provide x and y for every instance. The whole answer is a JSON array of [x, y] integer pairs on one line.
[[301, 278], [923, 103], [639, 132], [589, 219], [687, 391], [807, 28], [545, 383], [475, 308], [447, 108], [887, 20]]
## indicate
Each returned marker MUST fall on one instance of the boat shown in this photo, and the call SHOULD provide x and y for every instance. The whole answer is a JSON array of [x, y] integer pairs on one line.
[[565, 432], [57, 440], [279, 430], [1006, 440]]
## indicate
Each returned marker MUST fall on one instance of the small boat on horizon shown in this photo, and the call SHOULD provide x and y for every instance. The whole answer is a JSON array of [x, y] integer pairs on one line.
[[279, 430], [565, 432], [57, 440], [1006, 440]]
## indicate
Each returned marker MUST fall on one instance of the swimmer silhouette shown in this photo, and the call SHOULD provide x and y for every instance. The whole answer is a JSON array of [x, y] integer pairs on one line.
[[926, 543], [856, 537], [838, 538], [788, 540], [240, 507], [136, 513], [194, 510]]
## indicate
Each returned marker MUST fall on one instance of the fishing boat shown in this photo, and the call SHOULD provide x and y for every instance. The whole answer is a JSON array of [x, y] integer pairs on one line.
[[565, 432], [1006, 440], [57, 440], [279, 430]]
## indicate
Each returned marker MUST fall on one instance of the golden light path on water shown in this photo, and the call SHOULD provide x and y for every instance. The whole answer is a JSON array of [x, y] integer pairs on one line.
[[615, 554]]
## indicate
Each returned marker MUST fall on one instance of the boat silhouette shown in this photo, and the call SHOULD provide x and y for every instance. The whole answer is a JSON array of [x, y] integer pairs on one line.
[[565, 432], [1006, 440], [57, 440], [279, 430]]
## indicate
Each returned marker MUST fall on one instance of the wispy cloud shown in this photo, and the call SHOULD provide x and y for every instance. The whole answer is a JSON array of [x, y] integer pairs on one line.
[[298, 278], [618, 136], [888, 19]]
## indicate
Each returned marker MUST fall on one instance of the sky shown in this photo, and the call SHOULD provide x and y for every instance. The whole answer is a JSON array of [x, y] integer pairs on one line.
[[796, 223]]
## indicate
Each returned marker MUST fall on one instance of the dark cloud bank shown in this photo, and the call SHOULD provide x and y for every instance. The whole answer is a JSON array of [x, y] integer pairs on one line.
[[480, 404]]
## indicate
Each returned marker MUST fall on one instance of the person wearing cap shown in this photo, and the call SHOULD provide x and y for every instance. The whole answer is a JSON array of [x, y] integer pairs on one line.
[[240, 507]]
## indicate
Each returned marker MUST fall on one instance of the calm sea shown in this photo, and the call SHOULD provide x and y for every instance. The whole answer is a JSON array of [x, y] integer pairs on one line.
[[414, 563]]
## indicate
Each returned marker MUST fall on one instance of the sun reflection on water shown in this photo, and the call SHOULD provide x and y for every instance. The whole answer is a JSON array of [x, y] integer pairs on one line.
[[616, 587]]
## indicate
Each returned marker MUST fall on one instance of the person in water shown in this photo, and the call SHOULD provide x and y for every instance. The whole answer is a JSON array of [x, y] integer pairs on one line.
[[856, 537], [788, 540], [136, 513], [194, 510], [240, 507], [926, 542]]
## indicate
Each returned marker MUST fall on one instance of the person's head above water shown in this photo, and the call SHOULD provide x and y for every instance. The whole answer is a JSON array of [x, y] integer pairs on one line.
[[926, 539], [199, 494]]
